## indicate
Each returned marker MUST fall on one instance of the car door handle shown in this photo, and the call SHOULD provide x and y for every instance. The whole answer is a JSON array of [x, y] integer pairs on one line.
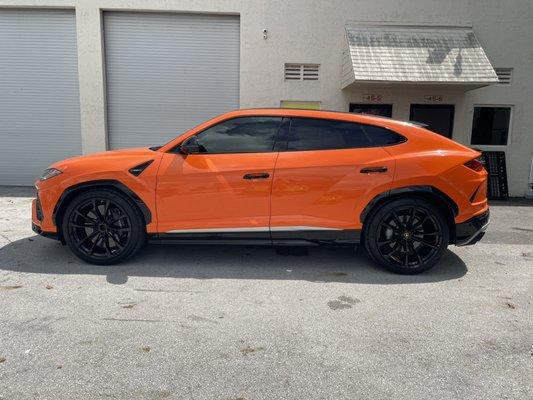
[[373, 170], [259, 175]]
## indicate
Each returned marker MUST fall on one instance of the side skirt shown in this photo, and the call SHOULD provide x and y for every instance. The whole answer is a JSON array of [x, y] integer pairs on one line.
[[339, 237]]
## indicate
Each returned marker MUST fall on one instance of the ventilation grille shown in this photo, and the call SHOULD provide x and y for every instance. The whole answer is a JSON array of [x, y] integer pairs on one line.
[[497, 180], [301, 72], [504, 75]]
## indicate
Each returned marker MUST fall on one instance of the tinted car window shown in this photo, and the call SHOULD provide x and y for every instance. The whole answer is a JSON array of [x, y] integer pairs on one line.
[[382, 136], [321, 134], [240, 135]]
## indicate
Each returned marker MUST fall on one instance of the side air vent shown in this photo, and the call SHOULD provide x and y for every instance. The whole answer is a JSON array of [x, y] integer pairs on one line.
[[505, 75], [137, 170]]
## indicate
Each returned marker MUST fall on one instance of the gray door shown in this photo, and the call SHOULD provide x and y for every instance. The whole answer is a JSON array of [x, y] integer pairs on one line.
[[165, 73], [39, 95]]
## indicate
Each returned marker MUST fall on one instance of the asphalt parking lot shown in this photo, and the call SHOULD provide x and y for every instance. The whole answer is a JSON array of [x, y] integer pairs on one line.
[[256, 323]]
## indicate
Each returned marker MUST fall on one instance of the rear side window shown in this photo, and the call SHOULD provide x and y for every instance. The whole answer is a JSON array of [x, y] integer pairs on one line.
[[240, 135], [322, 134], [382, 136]]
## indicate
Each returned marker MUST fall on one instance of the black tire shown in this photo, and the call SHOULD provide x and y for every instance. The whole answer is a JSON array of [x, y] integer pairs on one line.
[[103, 227], [406, 236]]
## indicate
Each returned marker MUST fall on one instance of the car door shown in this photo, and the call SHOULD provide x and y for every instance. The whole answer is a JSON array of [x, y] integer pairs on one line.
[[323, 178], [223, 190]]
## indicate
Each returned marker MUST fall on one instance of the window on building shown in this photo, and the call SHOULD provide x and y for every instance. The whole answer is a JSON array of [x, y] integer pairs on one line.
[[383, 110], [490, 125], [303, 105], [240, 135], [321, 134], [301, 72], [505, 75]]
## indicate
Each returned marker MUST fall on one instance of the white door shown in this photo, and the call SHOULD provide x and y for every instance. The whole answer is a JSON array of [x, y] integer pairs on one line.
[[39, 95], [165, 73]]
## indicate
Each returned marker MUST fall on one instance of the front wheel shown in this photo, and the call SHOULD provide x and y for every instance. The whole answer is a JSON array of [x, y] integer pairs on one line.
[[406, 236], [103, 227]]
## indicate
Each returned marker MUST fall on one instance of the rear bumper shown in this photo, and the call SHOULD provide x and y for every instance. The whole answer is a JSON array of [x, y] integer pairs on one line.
[[472, 230]]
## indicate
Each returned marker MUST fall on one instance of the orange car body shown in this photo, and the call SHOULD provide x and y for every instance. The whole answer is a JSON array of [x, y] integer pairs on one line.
[[323, 188]]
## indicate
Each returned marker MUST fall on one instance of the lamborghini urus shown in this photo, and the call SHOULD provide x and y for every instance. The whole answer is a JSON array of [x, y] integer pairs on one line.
[[273, 177]]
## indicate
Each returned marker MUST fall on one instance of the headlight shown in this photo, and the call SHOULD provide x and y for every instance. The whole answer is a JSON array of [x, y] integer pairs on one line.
[[49, 173]]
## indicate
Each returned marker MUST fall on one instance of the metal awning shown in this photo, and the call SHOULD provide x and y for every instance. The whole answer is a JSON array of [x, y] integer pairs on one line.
[[414, 54]]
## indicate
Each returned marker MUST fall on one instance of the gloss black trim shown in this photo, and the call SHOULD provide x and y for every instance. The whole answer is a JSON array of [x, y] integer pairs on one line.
[[38, 208], [50, 235], [333, 237], [472, 230], [138, 170], [103, 183], [420, 189], [286, 238]]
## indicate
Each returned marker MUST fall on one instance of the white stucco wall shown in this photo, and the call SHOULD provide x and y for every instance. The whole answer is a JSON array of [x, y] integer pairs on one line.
[[313, 31]]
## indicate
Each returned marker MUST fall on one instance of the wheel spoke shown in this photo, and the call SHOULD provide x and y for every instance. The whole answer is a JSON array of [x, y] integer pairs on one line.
[[106, 245], [91, 251], [389, 226], [412, 248], [92, 226], [412, 217], [421, 222], [424, 242], [119, 230], [397, 220], [106, 208], [394, 249], [117, 241], [85, 217], [97, 210], [386, 241], [88, 237], [116, 220]]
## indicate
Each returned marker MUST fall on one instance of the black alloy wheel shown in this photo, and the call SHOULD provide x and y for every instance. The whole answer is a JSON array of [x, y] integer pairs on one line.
[[407, 236], [103, 227]]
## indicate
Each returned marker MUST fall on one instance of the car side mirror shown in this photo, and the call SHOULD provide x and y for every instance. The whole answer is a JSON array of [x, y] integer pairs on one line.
[[190, 146]]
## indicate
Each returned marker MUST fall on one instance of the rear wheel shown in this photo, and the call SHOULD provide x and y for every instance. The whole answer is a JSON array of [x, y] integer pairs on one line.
[[103, 227], [406, 236]]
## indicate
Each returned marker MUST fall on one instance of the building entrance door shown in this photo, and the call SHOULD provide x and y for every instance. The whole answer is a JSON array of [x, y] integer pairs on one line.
[[438, 118]]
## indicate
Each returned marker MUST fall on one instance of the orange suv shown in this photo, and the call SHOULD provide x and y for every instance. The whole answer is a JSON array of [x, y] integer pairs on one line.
[[273, 177]]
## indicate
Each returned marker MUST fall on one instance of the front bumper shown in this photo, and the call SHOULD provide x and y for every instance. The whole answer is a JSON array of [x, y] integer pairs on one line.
[[36, 223], [37, 229], [472, 230]]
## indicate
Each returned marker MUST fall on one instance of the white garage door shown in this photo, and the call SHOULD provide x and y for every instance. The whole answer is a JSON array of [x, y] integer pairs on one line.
[[166, 73], [39, 96]]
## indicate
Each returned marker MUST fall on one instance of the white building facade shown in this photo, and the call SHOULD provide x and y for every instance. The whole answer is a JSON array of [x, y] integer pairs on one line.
[[79, 76]]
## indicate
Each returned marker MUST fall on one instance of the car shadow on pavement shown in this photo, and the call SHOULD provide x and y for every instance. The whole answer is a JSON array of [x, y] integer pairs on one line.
[[316, 264]]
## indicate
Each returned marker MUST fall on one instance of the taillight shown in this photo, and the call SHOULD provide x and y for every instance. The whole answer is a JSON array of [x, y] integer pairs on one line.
[[475, 165]]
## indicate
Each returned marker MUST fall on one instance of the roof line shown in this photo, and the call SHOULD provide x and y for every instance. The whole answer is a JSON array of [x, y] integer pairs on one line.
[[410, 24]]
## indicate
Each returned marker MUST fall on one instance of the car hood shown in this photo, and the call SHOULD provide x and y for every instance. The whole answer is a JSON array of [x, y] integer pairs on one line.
[[108, 160]]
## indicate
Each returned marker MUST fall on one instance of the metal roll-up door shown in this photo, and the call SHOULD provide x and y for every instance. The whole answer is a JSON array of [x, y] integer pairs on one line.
[[165, 73], [39, 93]]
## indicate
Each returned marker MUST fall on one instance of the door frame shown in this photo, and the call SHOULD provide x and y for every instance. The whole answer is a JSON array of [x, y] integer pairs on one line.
[[436, 107]]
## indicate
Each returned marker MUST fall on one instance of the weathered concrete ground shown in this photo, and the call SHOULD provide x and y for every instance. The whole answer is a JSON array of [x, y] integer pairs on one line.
[[249, 323]]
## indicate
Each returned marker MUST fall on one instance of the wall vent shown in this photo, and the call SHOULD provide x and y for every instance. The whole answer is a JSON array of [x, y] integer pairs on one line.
[[301, 72], [504, 75]]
